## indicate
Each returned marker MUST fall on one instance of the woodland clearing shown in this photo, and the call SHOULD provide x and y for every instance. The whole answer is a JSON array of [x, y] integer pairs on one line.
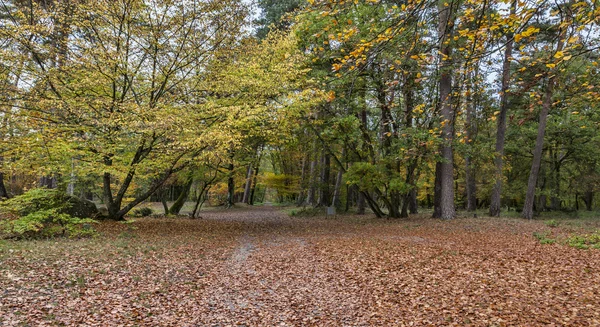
[[261, 267]]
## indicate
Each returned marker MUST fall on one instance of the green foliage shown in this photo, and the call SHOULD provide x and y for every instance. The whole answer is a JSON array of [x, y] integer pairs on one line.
[[142, 212], [40, 212], [366, 176], [585, 241], [543, 238], [551, 223]]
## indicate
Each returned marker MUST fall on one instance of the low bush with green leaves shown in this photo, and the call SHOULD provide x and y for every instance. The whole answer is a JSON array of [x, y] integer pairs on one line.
[[40, 212], [142, 212], [543, 237], [585, 241]]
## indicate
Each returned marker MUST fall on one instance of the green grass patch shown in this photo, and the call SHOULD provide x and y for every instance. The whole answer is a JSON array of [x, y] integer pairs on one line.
[[586, 241], [543, 237]]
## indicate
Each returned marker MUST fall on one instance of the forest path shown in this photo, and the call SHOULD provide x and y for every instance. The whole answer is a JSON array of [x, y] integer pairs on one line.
[[257, 266]]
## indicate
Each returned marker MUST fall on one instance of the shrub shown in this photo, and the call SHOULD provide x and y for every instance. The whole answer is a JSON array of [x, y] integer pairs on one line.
[[585, 241], [543, 238], [551, 223], [41, 212], [143, 212]]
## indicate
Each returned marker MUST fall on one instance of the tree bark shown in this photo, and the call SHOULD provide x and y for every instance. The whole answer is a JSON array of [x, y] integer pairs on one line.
[[248, 186], [360, 204], [254, 182], [3, 192], [410, 180], [230, 187], [588, 198], [337, 191], [163, 200], [413, 205], [539, 142], [437, 191], [469, 169], [310, 195], [180, 201], [324, 182], [303, 184], [537, 152], [495, 201], [446, 23]]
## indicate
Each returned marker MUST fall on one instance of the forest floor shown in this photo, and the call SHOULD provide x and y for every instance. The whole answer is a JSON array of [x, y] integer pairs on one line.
[[260, 267]]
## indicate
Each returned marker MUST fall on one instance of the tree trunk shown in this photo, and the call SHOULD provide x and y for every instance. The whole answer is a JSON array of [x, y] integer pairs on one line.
[[446, 23], [437, 191], [539, 142], [471, 185], [555, 199], [495, 202], [410, 180], [183, 196], [201, 197], [537, 152], [230, 187], [3, 192], [471, 127], [248, 186], [360, 204], [337, 191], [310, 195], [163, 200], [373, 205], [588, 198], [324, 183], [303, 184], [111, 205], [413, 205], [255, 181]]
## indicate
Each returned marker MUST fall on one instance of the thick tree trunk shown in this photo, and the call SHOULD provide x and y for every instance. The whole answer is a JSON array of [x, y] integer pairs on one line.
[[360, 204], [446, 23], [413, 205], [183, 196], [410, 180], [111, 206], [588, 198]]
